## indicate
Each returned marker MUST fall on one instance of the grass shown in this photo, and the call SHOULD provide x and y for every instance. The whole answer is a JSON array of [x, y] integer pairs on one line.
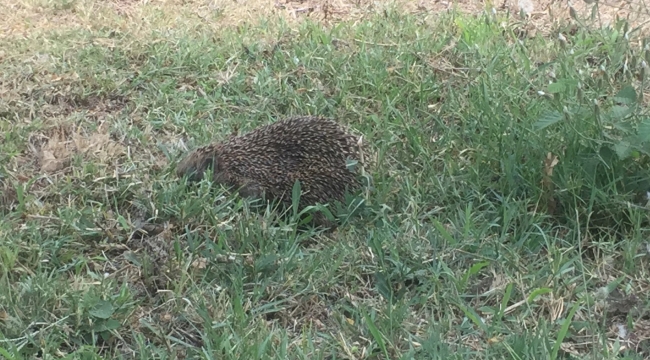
[[506, 218]]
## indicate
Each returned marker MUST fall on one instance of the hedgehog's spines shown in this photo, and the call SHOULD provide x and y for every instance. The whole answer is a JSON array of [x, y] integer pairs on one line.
[[268, 160]]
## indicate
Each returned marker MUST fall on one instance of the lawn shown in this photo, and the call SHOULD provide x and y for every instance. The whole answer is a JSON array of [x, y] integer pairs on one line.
[[506, 215]]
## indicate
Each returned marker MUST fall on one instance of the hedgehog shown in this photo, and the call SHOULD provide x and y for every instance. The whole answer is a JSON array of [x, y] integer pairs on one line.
[[266, 162]]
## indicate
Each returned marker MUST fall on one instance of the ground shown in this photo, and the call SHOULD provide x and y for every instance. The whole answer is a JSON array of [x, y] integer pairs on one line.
[[505, 217]]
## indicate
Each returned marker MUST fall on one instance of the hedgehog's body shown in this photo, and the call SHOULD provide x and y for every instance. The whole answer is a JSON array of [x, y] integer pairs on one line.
[[266, 162]]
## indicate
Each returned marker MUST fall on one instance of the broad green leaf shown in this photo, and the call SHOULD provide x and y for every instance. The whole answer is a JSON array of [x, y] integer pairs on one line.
[[626, 95], [625, 127], [557, 87], [6, 354], [107, 325], [623, 149], [383, 286], [445, 234], [473, 270], [376, 334], [506, 298], [123, 222], [266, 263], [487, 310], [112, 324], [561, 86], [547, 119], [537, 292], [613, 285], [472, 315], [103, 310], [618, 113], [130, 256], [644, 130], [563, 331]]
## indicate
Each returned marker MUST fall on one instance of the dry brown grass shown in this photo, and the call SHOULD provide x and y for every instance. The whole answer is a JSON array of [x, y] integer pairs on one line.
[[33, 17]]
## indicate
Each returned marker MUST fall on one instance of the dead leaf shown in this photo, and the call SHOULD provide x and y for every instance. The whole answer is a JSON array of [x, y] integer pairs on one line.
[[499, 281], [547, 182], [48, 155], [49, 163], [570, 348], [8, 195], [200, 263], [549, 163], [494, 340]]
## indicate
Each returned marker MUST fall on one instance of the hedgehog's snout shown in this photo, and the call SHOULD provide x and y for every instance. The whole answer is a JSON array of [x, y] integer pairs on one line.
[[193, 166]]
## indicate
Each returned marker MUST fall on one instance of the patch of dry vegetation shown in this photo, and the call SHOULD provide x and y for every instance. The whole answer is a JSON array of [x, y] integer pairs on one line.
[[35, 17]]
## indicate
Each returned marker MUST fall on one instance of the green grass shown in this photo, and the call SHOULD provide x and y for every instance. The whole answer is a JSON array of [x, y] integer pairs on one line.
[[459, 251]]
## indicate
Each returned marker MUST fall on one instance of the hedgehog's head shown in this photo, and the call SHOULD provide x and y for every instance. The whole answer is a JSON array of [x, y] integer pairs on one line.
[[195, 164]]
